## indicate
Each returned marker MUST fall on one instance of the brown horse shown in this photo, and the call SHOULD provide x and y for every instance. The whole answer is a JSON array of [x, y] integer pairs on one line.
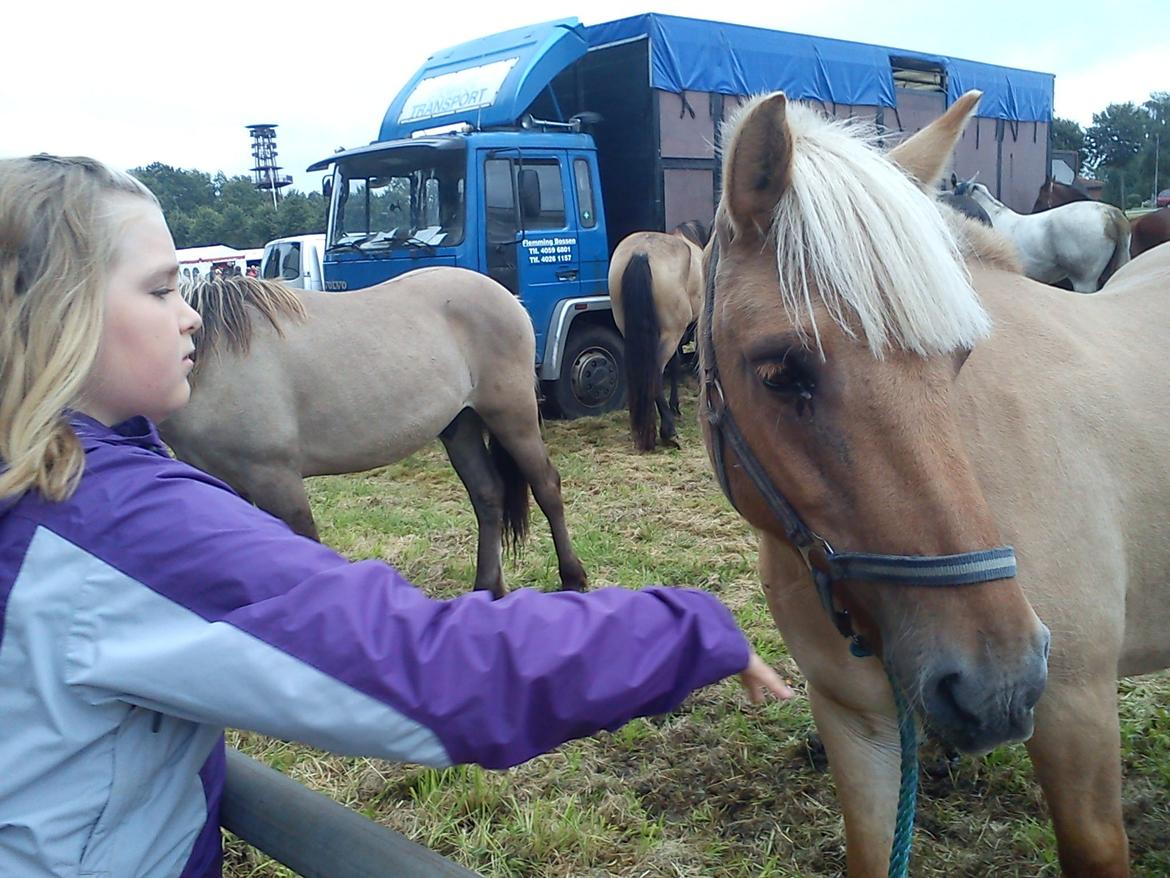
[[903, 389], [1149, 230], [328, 383], [656, 284], [1054, 193]]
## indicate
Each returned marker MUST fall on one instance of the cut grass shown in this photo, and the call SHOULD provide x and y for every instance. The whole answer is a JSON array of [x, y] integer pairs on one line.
[[718, 789]]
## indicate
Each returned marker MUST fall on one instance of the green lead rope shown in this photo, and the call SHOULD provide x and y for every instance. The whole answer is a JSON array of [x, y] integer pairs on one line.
[[907, 788]]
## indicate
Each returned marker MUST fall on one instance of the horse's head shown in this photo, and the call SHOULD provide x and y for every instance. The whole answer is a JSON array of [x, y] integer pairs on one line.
[[839, 317]]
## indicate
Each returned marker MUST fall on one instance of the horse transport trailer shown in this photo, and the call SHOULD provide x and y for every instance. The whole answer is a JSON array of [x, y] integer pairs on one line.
[[528, 155]]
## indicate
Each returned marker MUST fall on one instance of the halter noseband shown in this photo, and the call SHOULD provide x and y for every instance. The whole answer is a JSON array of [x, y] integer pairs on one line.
[[826, 566]]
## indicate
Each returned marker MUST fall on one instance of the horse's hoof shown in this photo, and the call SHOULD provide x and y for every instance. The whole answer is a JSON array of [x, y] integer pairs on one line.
[[670, 442]]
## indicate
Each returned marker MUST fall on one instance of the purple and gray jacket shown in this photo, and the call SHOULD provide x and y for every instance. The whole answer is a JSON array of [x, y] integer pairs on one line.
[[155, 607]]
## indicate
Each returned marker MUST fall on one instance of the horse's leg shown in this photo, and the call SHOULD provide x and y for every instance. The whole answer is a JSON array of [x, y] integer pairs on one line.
[[463, 439], [852, 706], [668, 433], [865, 759], [1076, 751], [280, 491], [666, 428], [517, 428], [674, 366]]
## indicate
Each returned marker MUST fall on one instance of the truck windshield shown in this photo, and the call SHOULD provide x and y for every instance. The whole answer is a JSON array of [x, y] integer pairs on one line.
[[409, 197]]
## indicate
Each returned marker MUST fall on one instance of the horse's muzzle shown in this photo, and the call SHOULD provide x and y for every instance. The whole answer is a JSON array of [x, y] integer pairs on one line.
[[975, 707]]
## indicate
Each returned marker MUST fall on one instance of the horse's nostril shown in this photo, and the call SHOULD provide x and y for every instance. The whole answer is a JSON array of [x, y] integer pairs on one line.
[[948, 695]]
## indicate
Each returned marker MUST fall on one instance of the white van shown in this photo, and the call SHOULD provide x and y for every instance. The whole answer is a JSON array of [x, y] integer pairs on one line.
[[296, 260]]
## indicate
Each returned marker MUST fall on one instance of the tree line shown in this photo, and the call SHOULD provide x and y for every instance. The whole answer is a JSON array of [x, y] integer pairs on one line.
[[202, 209], [1126, 147]]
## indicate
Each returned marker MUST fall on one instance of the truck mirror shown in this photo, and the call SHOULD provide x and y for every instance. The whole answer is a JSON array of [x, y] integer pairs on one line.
[[529, 193], [327, 187]]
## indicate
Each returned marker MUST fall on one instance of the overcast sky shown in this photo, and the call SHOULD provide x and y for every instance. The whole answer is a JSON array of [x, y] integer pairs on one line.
[[132, 82]]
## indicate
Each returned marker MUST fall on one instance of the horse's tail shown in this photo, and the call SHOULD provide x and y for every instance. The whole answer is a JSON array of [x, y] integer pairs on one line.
[[515, 494], [1120, 231], [643, 376]]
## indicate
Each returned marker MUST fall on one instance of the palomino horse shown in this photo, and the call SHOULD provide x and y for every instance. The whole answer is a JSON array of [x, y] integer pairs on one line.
[[1149, 230], [1085, 241], [656, 284], [1053, 193], [900, 388], [326, 383]]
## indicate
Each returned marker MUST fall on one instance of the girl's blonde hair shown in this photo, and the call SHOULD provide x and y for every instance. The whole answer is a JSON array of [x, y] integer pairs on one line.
[[59, 230]]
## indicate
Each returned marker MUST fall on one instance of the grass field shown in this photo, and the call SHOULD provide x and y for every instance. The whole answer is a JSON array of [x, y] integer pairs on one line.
[[719, 788]]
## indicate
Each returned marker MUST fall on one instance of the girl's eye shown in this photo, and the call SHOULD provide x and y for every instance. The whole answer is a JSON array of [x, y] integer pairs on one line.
[[163, 292]]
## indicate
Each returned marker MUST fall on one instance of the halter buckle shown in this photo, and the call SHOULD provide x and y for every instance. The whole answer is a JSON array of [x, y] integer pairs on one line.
[[714, 408]]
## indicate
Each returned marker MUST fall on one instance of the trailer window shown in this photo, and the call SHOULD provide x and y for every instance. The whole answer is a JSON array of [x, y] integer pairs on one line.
[[583, 181], [917, 74]]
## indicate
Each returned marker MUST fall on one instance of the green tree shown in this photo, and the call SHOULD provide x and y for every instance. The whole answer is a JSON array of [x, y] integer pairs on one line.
[[1127, 146], [202, 209], [1067, 134]]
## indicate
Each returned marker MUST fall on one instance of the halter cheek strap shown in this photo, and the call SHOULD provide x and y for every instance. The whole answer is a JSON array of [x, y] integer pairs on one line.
[[826, 566]]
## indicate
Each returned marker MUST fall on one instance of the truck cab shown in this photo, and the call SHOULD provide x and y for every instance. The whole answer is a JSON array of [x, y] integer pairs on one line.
[[519, 201]]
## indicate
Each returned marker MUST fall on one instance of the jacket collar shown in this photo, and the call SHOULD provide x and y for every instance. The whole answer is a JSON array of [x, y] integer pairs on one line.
[[137, 431]]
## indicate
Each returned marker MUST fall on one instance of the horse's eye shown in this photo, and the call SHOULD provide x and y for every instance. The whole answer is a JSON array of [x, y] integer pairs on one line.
[[791, 377]]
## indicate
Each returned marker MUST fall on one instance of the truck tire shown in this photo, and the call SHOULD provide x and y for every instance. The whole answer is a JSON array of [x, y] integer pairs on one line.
[[593, 374]]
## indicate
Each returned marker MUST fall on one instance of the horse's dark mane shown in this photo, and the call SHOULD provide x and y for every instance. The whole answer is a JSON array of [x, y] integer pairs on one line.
[[224, 306], [694, 231]]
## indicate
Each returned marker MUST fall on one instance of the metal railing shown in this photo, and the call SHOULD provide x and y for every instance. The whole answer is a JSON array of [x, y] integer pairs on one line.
[[315, 836]]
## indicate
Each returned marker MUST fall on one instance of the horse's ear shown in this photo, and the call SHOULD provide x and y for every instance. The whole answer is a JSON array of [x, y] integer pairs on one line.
[[954, 180], [756, 165], [925, 155]]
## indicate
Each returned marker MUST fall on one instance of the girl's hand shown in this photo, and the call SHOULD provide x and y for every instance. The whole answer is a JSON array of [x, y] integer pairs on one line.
[[758, 679]]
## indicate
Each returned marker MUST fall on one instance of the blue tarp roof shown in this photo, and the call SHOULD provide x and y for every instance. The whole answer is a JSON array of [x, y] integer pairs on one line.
[[688, 54], [491, 81]]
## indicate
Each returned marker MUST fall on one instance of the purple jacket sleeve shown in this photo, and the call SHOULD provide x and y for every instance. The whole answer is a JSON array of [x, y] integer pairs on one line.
[[495, 682]]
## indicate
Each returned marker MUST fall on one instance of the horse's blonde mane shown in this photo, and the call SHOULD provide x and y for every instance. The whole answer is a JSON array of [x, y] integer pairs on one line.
[[855, 234], [225, 303]]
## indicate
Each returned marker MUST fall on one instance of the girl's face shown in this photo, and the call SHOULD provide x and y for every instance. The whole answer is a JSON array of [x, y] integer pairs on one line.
[[145, 351]]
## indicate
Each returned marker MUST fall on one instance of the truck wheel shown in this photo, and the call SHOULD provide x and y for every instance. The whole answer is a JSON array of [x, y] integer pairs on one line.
[[593, 373]]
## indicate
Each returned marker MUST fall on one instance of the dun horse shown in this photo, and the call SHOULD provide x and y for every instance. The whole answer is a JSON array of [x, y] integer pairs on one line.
[[878, 377], [1084, 242], [656, 284], [288, 386]]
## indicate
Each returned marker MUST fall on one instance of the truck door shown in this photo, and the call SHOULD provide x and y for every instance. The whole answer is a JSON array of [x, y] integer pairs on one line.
[[531, 230]]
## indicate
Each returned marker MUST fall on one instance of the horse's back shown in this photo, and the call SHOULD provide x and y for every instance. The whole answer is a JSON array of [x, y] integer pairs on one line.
[[676, 269], [1150, 230], [372, 375]]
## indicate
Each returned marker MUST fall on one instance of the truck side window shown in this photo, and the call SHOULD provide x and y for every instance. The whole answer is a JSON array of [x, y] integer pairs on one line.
[[500, 201], [583, 181], [544, 208]]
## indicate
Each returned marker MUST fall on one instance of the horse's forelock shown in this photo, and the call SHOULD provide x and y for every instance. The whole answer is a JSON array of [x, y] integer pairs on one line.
[[224, 305], [853, 233]]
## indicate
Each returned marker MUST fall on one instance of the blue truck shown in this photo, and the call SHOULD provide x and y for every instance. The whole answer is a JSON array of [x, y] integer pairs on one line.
[[529, 154]]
